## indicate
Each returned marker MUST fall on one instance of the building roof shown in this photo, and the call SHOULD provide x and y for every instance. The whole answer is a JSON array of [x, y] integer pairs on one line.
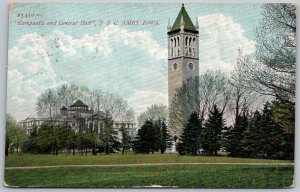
[[64, 108], [79, 103], [188, 24]]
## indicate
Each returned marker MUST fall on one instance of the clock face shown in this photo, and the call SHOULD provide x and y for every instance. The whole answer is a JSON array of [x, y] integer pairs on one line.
[[191, 66], [175, 67]]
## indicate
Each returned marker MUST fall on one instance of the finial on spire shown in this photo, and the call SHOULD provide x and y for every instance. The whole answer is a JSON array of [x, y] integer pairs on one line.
[[181, 24], [182, 4], [169, 25]]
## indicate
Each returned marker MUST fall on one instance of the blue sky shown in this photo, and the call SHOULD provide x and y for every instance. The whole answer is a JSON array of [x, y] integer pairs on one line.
[[129, 60]]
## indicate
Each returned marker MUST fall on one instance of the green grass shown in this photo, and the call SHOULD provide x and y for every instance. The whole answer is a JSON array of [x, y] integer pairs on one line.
[[28, 160], [182, 176]]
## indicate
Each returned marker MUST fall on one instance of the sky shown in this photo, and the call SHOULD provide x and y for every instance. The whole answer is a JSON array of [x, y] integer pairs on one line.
[[130, 60]]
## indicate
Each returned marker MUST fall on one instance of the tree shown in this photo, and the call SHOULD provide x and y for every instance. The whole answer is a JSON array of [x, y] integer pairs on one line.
[[284, 115], [273, 70], [252, 139], [198, 94], [153, 113], [147, 139], [113, 106], [190, 138], [126, 139], [43, 139], [241, 97], [272, 135], [212, 130], [264, 138], [165, 137], [46, 105], [15, 135], [235, 135]]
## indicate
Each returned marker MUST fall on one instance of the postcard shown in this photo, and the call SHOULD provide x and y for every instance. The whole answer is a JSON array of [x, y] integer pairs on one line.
[[151, 96]]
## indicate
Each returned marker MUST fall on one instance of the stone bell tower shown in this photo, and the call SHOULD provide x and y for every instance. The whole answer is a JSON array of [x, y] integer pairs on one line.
[[183, 51], [183, 61]]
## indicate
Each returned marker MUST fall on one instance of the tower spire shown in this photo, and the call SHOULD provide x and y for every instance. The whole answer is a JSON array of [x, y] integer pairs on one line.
[[183, 17]]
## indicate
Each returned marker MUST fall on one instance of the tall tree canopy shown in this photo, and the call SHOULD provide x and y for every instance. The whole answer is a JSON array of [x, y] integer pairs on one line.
[[273, 69], [153, 113], [198, 94]]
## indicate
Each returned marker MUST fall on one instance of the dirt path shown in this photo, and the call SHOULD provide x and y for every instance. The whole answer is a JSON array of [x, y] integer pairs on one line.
[[150, 164]]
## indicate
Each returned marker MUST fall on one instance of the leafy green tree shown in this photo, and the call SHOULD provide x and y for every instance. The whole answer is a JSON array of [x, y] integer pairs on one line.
[[43, 139], [190, 138], [212, 130], [15, 135]]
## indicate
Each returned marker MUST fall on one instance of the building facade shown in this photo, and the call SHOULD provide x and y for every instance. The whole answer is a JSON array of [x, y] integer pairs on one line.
[[80, 117]]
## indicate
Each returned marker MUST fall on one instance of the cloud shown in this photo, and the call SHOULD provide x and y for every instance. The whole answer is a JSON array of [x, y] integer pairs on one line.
[[38, 62], [143, 99], [219, 39]]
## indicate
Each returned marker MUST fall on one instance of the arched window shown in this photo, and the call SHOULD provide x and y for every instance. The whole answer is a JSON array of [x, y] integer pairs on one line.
[[175, 47], [194, 47], [190, 46], [178, 48], [171, 46], [186, 45]]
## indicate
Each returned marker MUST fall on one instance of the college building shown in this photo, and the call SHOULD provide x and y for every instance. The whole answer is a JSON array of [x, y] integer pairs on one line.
[[80, 117]]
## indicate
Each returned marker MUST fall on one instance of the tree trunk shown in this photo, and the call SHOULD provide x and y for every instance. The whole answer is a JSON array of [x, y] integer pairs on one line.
[[85, 151], [17, 150], [94, 149], [6, 145]]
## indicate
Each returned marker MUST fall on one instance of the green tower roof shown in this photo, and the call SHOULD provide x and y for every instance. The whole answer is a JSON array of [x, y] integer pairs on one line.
[[188, 24], [79, 103], [63, 108]]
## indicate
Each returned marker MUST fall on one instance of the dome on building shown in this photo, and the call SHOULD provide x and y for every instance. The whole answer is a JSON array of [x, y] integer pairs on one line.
[[79, 104]]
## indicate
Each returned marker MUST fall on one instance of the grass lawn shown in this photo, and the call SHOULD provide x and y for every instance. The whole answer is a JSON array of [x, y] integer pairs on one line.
[[182, 176], [28, 160]]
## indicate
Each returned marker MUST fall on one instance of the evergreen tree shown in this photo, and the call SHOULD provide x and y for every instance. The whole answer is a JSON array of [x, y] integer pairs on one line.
[[284, 116], [126, 140], [147, 138], [252, 139], [165, 138], [234, 136], [212, 130], [272, 135], [190, 138]]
